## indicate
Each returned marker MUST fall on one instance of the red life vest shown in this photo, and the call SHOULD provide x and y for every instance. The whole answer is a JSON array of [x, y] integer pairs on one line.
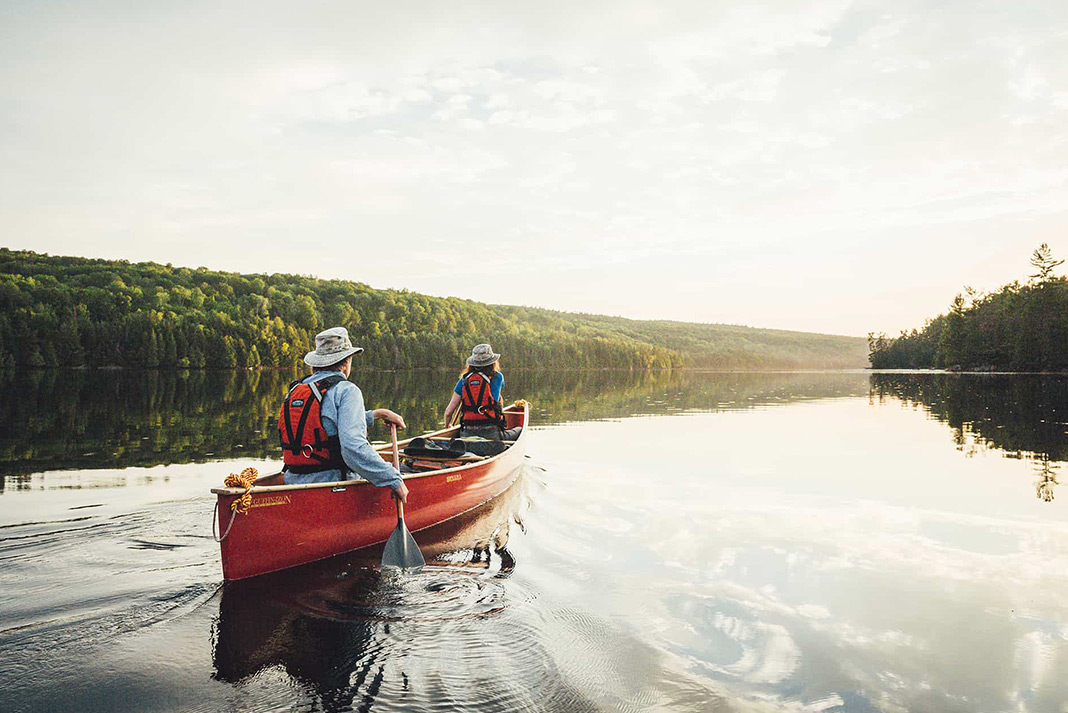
[[305, 446], [477, 405]]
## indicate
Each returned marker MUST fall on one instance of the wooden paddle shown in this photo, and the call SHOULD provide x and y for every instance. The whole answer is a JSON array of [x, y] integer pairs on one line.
[[401, 549]]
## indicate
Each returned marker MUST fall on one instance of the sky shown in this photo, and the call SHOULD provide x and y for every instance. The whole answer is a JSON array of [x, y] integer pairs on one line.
[[817, 165]]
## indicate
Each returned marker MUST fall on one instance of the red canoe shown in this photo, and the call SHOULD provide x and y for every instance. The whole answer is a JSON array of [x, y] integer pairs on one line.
[[289, 525]]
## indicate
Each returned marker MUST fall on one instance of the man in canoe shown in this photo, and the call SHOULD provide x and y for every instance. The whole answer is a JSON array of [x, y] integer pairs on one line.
[[323, 424]]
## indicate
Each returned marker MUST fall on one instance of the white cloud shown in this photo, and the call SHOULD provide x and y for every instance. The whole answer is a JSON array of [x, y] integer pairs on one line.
[[455, 107]]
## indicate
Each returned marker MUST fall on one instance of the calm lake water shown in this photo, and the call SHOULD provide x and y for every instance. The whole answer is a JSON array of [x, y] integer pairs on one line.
[[677, 542]]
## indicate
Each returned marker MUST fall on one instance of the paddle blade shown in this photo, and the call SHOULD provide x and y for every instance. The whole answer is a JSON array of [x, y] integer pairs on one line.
[[401, 550]]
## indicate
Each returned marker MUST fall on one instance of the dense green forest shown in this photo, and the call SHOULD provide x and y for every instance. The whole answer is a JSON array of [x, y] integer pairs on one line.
[[1021, 327], [69, 311]]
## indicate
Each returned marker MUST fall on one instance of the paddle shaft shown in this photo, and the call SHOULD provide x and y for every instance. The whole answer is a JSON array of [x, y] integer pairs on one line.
[[396, 464]]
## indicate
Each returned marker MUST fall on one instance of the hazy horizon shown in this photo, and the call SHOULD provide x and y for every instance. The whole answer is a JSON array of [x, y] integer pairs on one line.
[[832, 167]]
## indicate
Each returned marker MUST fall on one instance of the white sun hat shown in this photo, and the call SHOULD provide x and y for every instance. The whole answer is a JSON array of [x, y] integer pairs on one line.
[[482, 355], [331, 346]]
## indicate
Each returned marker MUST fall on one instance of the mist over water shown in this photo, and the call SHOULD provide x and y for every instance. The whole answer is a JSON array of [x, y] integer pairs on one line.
[[677, 541]]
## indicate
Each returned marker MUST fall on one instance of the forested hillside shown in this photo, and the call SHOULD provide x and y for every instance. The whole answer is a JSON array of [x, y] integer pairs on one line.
[[1021, 327], [81, 312]]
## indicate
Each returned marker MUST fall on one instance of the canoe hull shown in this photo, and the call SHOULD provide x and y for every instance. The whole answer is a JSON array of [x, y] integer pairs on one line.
[[288, 526]]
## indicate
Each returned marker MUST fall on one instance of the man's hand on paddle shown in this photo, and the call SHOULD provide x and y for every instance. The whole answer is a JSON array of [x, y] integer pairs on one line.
[[389, 417], [394, 419]]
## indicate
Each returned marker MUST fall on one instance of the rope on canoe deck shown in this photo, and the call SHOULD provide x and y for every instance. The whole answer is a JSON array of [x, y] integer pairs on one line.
[[239, 506]]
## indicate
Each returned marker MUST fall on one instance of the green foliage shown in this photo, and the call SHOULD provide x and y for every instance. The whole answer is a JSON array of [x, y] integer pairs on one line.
[[1017, 328], [76, 311]]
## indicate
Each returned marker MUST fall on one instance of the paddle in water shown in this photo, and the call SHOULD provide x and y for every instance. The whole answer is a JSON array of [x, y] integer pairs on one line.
[[401, 550]]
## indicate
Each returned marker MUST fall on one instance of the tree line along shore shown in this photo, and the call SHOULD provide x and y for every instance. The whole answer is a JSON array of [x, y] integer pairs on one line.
[[75, 312], [1021, 327]]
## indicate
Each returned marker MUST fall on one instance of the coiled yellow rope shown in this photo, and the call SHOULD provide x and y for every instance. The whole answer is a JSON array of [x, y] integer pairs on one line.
[[245, 480], [521, 403]]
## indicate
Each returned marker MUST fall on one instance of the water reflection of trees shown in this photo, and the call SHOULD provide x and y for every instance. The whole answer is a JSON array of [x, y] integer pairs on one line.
[[1047, 479], [1024, 416], [77, 419]]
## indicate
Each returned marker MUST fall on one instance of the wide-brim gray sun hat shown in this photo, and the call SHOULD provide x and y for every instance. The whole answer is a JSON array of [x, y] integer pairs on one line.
[[482, 355], [331, 346]]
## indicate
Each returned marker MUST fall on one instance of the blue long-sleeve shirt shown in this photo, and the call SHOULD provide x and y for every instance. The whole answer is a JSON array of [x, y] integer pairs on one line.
[[343, 415]]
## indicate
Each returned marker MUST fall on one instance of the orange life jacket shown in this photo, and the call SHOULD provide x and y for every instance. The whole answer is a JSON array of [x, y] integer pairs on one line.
[[305, 446], [477, 405]]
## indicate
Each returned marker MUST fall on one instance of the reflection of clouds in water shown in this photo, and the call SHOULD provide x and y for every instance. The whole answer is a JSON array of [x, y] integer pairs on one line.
[[919, 611], [1033, 654], [770, 654], [802, 578]]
